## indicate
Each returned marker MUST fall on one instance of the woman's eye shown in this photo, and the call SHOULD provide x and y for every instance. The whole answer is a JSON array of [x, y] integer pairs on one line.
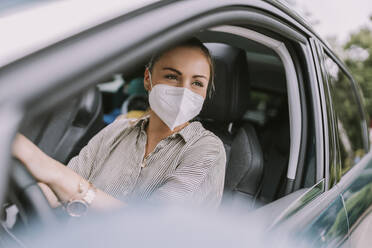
[[171, 77], [197, 83]]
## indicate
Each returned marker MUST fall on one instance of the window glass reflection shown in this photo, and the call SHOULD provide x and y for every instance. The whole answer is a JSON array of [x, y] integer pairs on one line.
[[348, 117]]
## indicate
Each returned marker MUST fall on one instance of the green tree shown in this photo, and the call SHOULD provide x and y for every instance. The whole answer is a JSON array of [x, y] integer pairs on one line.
[[360, 43], [357, 54]]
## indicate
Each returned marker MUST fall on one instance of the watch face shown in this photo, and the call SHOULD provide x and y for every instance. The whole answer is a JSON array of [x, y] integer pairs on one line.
[[76, 208]]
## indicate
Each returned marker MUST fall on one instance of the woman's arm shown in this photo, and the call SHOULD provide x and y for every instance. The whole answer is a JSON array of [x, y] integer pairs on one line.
[[63, 181], [49, 194]]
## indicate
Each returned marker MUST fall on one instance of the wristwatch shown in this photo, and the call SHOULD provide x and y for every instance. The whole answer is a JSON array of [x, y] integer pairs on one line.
[[78, 207]]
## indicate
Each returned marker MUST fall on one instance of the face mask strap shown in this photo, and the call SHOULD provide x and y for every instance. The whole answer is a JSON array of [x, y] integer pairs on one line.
[[150, 78]]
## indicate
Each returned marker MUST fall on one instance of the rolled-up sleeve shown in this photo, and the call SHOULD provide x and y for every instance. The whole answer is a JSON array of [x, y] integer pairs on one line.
[[199, 178], [85, 160]]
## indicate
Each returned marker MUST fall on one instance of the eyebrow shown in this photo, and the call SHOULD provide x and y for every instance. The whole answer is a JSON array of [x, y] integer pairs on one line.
[[172, 69], [180, 73], [199, 76]]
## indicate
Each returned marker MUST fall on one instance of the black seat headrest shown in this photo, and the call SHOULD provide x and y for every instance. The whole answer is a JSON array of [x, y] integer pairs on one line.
[[230, 100]]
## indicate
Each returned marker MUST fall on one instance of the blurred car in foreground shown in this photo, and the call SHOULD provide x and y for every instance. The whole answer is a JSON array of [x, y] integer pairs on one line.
[[291, 117]]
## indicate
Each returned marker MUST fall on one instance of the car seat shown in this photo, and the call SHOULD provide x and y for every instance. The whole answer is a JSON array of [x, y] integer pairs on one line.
[[222, 114], [63, 131], [276, 147]]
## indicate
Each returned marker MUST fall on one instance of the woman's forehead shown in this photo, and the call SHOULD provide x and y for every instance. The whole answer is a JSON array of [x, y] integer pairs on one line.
[[186, 59]]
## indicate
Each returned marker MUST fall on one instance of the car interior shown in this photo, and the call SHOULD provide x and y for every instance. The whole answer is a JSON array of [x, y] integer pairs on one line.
[[248, 111]]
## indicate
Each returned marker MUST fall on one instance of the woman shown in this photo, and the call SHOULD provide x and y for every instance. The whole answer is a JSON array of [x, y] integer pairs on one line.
[[161, 157]]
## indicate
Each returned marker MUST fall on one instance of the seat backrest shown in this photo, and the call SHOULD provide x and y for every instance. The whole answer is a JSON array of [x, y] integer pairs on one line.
[[222, 114], [275, 146], [230, 100], [245, 167], [63, 131]]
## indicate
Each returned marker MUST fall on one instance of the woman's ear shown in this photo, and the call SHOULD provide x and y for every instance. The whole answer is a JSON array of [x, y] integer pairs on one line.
[[146, 80]]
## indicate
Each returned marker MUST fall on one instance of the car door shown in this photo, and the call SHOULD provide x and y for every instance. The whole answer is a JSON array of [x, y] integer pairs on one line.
[[340, 215], [357, 194]]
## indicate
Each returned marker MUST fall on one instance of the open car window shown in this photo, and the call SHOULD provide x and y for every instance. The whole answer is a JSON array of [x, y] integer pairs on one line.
[[266, 110]]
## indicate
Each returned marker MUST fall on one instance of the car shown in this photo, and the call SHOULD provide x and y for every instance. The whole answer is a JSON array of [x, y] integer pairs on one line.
[[291, 116]]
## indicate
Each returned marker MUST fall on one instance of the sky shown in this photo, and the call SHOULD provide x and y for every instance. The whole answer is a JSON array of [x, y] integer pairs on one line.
[[336, 18]]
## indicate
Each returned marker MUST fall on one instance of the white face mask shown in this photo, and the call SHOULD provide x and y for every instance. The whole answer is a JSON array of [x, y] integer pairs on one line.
[[174, 105]]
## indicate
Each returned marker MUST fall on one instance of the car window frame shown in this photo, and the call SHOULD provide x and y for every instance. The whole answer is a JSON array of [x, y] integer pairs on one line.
[[330, 150], [325, 51], [296, 123], [303, 49]]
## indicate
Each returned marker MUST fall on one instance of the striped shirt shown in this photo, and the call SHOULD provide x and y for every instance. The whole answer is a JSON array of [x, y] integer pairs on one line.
[[187, 167]]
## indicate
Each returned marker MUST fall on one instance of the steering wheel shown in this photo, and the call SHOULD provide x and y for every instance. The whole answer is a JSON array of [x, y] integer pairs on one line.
[[26, 194]]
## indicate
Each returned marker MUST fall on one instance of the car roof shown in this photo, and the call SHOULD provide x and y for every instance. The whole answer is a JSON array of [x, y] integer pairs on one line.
[[284, 6], [288, 8], [36, 26]]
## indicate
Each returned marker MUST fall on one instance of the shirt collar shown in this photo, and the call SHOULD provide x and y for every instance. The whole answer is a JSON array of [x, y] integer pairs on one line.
[[141, 122], [186, 133]]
